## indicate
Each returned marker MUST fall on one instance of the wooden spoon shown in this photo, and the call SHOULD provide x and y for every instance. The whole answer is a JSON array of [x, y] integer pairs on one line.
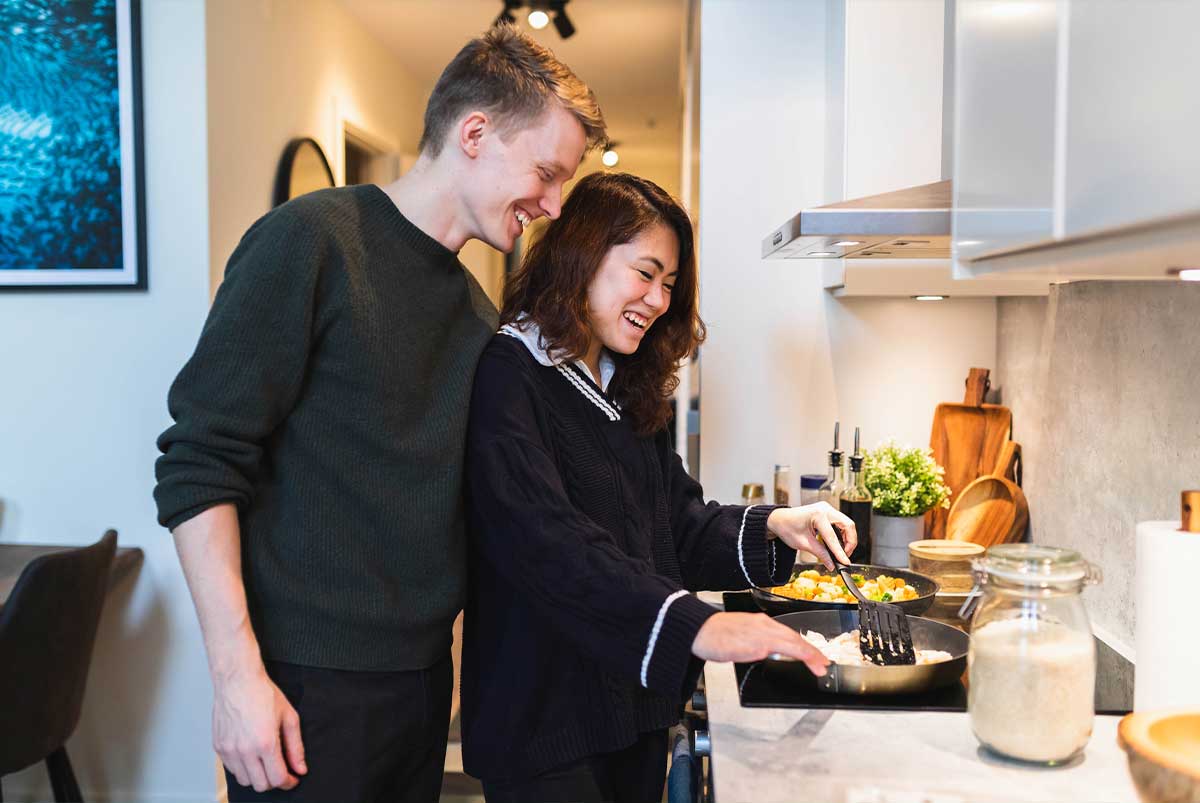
[[992, 509]]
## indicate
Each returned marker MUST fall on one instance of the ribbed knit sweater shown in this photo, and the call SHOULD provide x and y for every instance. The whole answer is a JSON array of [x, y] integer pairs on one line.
[[327, 399], [584, 537]]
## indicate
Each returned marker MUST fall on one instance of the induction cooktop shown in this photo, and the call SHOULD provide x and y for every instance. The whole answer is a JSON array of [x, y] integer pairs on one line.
[[759, 687]]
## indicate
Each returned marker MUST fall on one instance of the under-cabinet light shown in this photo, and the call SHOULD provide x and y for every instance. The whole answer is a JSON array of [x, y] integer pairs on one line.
[[929, 298]]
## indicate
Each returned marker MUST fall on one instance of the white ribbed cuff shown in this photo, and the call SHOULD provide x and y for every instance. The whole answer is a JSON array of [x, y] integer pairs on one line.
[[658, 622], [741, 556]]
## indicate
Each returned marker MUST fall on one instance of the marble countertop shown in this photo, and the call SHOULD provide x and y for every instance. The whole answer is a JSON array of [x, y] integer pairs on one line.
[[839, 756]]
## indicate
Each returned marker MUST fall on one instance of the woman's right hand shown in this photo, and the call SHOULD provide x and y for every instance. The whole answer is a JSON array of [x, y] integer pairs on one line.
[[747, 637]]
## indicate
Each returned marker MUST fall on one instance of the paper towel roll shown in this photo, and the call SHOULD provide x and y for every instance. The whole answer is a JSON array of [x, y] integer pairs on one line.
[[1167, 595]]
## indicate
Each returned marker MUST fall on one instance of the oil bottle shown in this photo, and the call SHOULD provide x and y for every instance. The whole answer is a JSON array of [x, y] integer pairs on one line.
[[856, 503], [831, 490]]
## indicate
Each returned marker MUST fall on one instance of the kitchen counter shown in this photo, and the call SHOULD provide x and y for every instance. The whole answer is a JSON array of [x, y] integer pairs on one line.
[[840, 756]]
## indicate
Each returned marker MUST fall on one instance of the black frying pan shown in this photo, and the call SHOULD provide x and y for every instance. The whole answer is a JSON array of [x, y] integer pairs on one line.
[[926, 588], [871, 679]]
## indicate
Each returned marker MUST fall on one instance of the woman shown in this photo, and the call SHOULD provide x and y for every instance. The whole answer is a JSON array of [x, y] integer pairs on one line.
[[581, 639]]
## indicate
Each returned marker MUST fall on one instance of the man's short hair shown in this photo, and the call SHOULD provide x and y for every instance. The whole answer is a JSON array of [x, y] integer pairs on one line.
[[509, 75]]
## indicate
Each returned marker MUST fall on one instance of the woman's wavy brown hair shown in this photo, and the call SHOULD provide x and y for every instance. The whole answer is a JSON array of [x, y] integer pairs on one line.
[[604, 210]]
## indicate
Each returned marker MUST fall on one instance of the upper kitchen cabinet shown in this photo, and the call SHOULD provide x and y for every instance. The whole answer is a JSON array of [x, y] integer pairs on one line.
[[1075, 148], [1132, 113]]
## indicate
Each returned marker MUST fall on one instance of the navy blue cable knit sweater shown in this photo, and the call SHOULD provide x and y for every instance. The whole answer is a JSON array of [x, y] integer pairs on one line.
[[583, 537]]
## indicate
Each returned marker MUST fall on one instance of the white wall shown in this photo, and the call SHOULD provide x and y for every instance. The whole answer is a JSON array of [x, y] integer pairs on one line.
[[766, 384], [784, 360], [274, 74], [895, 360], [85, 382]]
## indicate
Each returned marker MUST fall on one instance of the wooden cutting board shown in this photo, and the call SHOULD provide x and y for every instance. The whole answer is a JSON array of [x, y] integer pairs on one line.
[[966, 440]]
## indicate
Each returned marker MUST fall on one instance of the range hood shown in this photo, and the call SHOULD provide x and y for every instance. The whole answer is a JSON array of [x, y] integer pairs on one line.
[[912, 223]]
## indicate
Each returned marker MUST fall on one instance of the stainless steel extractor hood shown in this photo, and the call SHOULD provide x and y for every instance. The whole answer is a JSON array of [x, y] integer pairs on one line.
[[912, 223]]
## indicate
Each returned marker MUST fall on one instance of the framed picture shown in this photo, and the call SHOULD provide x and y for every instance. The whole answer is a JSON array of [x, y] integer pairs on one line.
[[72, 199]]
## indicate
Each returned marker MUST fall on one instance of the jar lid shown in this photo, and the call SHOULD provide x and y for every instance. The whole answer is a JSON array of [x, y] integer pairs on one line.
[[1035, 564], [813, 481], [944, 549]]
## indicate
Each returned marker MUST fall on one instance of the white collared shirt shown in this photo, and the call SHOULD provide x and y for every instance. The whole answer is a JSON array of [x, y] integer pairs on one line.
[[530, 334]]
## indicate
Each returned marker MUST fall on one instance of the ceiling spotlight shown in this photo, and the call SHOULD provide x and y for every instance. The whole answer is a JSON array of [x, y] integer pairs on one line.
[[929, 298], [847, 242], [540, 12], [822, 253], [1186, 274], [610, 158], [562, 22]]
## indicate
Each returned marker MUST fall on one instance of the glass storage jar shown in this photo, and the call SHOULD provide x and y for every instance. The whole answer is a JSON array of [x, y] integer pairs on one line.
[[1032, 659]]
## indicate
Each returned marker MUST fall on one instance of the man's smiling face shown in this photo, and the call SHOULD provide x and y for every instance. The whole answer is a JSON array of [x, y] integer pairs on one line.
[[518, 176]]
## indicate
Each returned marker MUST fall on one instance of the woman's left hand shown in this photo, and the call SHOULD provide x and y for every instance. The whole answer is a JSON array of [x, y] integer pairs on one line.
[[814, 528]]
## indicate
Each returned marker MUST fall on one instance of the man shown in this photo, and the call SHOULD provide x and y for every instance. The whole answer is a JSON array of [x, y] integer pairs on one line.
[[312, 479]]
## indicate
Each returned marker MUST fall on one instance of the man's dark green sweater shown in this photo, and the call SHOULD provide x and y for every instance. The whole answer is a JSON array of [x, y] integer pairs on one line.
[[328, 399]]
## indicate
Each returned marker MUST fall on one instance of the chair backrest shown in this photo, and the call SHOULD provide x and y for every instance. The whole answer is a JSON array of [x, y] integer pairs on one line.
[[47, 631]]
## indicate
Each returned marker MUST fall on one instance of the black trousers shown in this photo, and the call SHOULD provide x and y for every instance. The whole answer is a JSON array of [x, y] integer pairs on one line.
[[368, 736], [633, 775]]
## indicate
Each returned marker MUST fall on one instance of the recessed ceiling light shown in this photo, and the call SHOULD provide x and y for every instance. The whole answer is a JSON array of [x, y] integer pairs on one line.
[[1190, 274], [969, 242], [538, 19], [848, 242], [822, 253], [610, 158], [929, 298]]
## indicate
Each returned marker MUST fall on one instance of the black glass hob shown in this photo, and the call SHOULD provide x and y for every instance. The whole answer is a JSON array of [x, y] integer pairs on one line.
[[759, 687]]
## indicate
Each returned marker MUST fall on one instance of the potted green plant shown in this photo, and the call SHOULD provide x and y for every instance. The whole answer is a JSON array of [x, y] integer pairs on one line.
[[904, 483]]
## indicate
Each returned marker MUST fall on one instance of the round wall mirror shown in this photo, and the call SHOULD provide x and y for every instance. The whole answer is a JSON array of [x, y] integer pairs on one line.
[[302, 169]]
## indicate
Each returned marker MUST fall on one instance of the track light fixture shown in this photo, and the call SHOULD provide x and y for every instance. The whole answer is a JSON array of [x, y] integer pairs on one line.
[[539, 10], [562, 23], [506, 14]]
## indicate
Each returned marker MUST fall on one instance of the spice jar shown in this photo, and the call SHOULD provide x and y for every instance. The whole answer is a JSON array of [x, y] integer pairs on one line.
[[783, 484], [810, 488], [752, 494], [1032, 659]]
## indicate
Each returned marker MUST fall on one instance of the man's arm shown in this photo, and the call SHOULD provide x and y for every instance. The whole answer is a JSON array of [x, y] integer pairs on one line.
[[254, 726]]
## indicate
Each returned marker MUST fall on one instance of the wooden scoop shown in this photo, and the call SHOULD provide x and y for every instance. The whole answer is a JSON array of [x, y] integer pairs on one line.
[[992, 509]]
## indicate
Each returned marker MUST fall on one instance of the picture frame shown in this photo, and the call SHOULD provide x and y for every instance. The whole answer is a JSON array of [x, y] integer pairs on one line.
[[72, 177]]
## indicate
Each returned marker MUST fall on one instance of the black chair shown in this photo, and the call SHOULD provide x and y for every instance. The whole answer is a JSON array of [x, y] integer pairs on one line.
[[47, 631]]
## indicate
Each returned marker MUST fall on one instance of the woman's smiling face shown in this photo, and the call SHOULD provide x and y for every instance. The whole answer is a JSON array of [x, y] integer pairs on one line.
[[632, 289]]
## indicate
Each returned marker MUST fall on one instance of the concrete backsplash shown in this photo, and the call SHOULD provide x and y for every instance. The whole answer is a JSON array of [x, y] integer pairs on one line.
[[1103, 379]]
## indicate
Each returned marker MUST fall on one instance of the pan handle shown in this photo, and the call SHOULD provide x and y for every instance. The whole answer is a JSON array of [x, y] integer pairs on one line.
[[827, 682]]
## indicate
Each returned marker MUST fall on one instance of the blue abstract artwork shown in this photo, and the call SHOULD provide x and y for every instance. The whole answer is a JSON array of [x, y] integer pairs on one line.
[[71, 211]]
